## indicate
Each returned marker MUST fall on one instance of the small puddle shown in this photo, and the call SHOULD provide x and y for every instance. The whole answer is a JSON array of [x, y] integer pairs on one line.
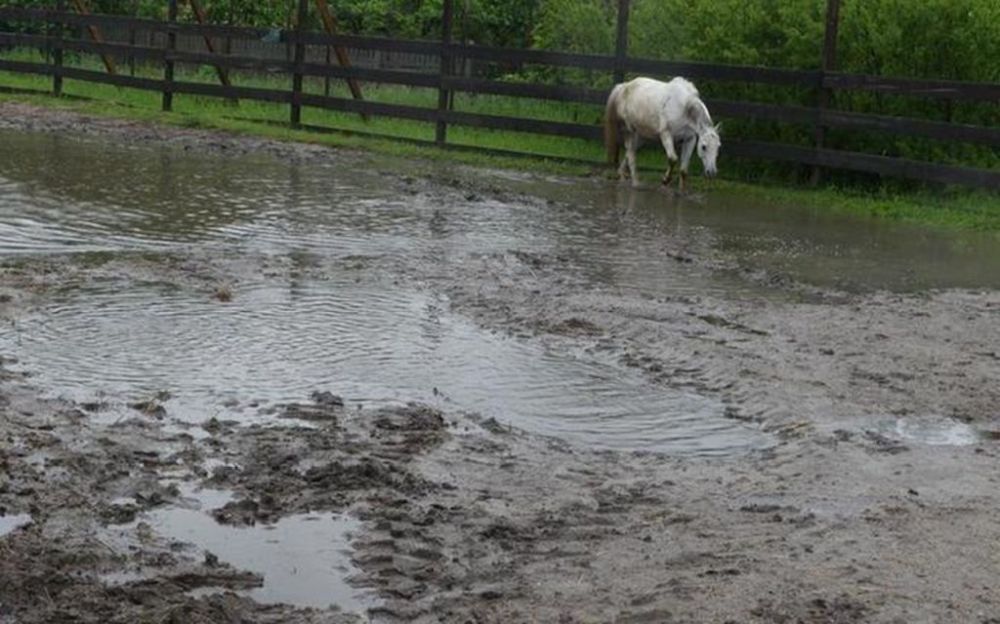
[[304, 559], [939, 431], [9, 524]]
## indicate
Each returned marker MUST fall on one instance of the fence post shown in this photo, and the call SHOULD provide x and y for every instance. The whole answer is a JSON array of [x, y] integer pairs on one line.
[[326, 79], [441, 132], [829, 63], [57, 53], [132, 39], [621, 41], [168, 62], [300, 57]]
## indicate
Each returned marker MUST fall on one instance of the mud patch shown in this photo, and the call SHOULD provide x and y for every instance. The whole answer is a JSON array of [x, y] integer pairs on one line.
[[461, 518]]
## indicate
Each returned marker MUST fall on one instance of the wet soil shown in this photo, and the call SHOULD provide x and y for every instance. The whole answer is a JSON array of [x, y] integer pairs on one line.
[[874, 499]]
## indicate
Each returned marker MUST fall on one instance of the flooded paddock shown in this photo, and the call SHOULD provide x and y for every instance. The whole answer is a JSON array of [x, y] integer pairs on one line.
[[347, 388], [372, 334], [334, 276]]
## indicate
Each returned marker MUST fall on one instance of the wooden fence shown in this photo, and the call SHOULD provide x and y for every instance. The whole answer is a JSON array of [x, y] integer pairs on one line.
[[256, 48], [446, 80]]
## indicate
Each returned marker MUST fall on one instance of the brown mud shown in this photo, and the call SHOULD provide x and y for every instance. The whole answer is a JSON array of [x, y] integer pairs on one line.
[[855, 513]]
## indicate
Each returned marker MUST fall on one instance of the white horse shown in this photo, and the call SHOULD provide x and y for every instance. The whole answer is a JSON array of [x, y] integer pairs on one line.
[[670, 111]]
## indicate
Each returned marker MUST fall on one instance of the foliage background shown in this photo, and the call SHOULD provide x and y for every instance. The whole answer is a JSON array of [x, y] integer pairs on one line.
[[945, 39]]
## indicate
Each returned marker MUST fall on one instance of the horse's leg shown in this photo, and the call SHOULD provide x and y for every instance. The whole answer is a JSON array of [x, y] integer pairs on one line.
[[669, 174], [686, 150], [668, 146], [623, 165], [631, 145]]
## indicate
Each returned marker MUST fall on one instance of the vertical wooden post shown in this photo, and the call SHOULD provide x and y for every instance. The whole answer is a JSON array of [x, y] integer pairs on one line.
[[466, 70], [326, 79], [828, 64], [168, 62], [300, 57], [131, 38], [131, 55], [57, 52], [621, 41], [441, 132]]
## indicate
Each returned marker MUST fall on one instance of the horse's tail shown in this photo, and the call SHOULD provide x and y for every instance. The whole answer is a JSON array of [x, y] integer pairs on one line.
[[611, 123]]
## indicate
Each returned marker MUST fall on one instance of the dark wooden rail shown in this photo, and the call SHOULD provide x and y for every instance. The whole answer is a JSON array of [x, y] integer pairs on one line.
[[55, 21]]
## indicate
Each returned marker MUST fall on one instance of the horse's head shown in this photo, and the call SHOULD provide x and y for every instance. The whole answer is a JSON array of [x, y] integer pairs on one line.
[[708, 148]]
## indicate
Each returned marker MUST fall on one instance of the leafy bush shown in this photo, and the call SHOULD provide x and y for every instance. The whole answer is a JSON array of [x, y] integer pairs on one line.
[[944, 39], [784, 33], [575, 26]]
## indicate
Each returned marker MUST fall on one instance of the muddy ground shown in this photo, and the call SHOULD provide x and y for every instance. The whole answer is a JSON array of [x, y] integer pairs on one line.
[[467, 520]]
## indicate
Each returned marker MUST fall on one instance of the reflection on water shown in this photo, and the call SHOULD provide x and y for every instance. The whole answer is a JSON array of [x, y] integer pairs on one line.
[[815, 245], [304, 559], [369, 343], [930, 430], [13, 523], [382, 338]]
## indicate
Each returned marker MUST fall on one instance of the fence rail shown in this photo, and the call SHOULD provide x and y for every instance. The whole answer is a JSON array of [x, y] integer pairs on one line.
[[160, 46]]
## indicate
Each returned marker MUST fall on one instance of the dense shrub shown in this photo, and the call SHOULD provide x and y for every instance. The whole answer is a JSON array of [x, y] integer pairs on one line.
[[575, 26], [779, 33], [946, 39]]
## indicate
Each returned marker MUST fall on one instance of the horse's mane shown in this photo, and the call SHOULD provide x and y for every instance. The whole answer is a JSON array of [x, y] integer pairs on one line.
[[697, 110]]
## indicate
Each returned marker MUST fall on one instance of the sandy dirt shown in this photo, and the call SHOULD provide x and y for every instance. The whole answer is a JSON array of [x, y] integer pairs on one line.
[[466, 520]]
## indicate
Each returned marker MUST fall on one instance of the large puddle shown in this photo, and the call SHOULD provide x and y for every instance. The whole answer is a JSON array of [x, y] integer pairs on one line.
[[812, 244], [381, 338]]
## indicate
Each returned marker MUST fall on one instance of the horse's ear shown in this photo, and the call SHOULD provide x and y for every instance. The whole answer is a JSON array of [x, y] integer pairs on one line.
[[718, 128]]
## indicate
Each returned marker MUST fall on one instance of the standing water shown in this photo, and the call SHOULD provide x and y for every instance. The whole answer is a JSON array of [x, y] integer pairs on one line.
[[331, 264]]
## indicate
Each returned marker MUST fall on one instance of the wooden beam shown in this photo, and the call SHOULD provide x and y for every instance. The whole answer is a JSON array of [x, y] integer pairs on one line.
[[95, 34], [202, 17], [330, 25]]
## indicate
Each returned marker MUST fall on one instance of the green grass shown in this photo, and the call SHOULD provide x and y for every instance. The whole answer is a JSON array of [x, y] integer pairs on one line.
[[958, 208]]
